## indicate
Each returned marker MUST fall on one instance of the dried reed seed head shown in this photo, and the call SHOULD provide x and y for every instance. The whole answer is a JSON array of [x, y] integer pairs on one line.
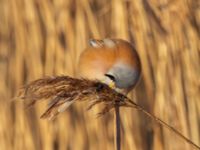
[[62, 91]]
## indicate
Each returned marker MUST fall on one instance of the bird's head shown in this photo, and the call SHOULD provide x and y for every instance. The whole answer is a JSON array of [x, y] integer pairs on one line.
[[122, 78], [125, 71], [113, 61]]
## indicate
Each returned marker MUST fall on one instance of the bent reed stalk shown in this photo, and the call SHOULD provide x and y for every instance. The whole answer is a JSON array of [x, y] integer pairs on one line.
[[117, 128]]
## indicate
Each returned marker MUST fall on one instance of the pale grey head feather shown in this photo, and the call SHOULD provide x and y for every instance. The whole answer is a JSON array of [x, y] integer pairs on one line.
[[109, 43], [99, 43], [124, 75]]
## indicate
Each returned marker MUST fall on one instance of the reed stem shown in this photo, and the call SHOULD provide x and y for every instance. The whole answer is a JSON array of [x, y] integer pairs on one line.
[[117, 128]]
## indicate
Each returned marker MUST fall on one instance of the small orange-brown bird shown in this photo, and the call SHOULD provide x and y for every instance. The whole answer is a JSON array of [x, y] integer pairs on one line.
[[112, 61]]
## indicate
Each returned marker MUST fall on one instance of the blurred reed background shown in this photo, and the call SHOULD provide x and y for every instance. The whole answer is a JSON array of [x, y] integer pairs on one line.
[[46, 37]]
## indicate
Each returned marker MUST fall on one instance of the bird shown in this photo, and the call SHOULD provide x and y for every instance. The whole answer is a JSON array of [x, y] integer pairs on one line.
[[115, 62]]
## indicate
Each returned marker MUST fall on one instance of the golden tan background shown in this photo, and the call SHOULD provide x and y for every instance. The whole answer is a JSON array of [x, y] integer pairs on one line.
[[45, 37]]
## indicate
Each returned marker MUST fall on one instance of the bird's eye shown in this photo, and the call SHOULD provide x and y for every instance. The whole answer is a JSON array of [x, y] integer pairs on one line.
[[95, 43], [110, 77]]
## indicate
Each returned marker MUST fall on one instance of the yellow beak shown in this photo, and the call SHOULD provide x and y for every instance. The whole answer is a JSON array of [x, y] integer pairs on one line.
[[112, 85]]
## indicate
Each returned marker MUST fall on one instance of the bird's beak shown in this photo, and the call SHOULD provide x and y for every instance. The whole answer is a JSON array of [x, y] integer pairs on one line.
[[112, 85], [109, 82]]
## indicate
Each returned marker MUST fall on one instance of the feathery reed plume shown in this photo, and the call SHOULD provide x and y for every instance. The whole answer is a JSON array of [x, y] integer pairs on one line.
[[62, 91]]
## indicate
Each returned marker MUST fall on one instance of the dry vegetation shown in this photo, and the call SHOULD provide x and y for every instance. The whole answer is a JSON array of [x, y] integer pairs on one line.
[[63, 91], [39, 38]]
